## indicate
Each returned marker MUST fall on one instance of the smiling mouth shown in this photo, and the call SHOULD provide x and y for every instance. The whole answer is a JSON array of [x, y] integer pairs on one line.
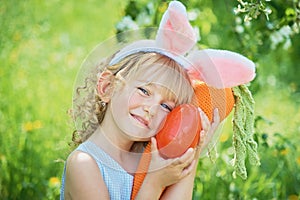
[[141, 120]]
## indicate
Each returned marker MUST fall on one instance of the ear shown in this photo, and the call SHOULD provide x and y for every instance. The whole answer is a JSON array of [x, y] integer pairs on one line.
[[105, 85], [175, 33], [220, 68]]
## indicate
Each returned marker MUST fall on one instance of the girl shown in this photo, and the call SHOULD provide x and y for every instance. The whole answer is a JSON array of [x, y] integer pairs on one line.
[[134, 96], [135, 91]]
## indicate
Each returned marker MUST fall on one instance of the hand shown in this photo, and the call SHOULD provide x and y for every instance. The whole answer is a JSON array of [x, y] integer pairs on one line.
[[165, 172], [208, 129]]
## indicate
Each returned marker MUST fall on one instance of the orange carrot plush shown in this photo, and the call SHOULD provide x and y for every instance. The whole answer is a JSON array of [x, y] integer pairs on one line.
[[209, 98], [218, 78], [182, 126]]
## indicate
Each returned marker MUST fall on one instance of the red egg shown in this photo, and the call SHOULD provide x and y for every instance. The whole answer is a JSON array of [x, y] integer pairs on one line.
[[180, 131]]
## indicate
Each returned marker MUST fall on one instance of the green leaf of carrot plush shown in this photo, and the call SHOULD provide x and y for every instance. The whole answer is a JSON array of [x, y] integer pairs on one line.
[[243, 129]]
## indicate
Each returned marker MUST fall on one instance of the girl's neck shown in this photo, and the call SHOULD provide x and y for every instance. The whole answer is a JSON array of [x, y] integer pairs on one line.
[[110, 140], [118, 149]]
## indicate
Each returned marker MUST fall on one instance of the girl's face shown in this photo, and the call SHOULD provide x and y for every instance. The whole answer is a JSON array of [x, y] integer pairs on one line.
[[145, 91], [138, 108]]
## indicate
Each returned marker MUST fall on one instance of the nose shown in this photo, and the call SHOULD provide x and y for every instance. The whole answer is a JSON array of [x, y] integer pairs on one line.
[[151, 110]]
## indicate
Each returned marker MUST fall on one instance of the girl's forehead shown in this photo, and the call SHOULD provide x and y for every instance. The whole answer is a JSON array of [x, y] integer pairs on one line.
[[169, 79], [158, 73]]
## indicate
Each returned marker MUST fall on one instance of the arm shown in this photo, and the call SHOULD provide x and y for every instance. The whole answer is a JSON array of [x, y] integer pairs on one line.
[[165, 172], [152, 188], [83, 178], [184, 188]]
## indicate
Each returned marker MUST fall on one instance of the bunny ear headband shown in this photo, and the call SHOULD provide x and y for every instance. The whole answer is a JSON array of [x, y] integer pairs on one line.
[[218, 69]]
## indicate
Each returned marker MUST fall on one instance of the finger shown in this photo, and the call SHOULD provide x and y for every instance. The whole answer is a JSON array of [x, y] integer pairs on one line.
[[203, 115], [198, 151], [153, 144], [204, 120], [187, 170], [204, 140], [186, 158], [154, 148], [216, 116], [202, 137]]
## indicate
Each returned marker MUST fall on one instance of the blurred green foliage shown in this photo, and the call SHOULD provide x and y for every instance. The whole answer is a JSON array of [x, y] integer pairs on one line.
[[43, 43]]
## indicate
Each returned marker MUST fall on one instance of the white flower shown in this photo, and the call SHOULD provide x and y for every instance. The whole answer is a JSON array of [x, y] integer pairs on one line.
[[247, 18], [247, 23], [238, 9], [280, 36], [286, 31], [268, 11], [143, 19], [238, 20], [287, 44], [239, 29], [276, 38], [295, 27], [127, 24], [151, 8], [270, 25]]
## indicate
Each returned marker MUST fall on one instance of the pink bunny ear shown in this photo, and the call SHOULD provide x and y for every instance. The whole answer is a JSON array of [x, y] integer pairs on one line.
[[220, 68], [175, 33]]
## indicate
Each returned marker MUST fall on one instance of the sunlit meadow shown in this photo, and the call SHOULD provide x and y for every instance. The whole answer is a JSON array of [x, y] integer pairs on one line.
[[42, 45]]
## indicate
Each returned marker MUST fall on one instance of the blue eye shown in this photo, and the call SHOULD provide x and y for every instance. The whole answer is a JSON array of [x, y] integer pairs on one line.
[[165, 106], [144, 91]]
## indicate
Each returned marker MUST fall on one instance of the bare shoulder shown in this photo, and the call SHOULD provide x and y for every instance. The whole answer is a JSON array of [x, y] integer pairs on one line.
[[83, 178], [79, 160]]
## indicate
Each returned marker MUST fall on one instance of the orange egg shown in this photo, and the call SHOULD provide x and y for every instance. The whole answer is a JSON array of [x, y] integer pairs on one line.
[[180, 131]]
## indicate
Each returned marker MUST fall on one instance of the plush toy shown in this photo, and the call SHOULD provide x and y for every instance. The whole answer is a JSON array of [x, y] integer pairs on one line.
[[218, 78]]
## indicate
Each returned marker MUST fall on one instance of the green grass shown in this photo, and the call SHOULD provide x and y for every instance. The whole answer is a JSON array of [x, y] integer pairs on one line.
[[42, 45]]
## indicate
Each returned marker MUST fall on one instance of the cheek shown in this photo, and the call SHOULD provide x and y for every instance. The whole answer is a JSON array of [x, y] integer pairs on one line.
[[134, 100], [123, 96], [119, 102], [159, 119]]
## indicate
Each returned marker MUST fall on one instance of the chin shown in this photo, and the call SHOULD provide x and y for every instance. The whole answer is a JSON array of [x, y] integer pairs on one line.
[[140, 138]]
